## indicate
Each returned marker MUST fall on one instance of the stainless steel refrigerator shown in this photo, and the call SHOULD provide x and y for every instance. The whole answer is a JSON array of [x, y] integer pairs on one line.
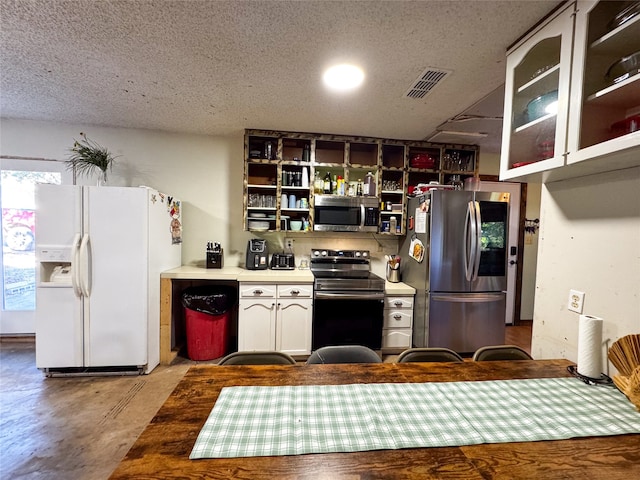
[[460, 280]]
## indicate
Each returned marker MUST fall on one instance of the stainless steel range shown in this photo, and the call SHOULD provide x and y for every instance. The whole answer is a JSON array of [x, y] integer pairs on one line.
[[348, 299]]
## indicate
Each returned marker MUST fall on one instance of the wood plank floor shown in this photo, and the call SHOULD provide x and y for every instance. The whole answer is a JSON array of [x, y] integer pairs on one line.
[[519, 335]]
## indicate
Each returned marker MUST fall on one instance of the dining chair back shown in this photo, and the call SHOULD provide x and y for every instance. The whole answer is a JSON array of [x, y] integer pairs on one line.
[[500, 352], [344, 354], [257, 358], [429, 354]]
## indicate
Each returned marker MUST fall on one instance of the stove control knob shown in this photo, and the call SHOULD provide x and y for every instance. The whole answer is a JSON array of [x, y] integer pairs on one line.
[[364, 254], [316, 253], [324, 253], [357, 254]]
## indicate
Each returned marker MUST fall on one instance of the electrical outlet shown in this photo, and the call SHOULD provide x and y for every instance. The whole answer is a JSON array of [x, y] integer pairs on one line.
[[576, 301], [288, 243]]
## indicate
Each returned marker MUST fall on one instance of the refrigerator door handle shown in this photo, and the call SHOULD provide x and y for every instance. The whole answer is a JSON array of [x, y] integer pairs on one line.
[[75, 265], [85, 270], [465, 298], [478, 233], [470, 241]]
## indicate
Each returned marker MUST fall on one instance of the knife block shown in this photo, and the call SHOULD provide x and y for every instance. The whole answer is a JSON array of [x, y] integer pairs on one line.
[[214, 259]]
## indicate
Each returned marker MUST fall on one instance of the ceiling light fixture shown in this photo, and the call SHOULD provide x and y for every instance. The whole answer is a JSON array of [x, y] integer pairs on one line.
[[343, 77]]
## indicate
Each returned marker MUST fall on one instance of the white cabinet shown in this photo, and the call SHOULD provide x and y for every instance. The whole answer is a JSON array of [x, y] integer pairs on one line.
[[536, 105], [602, 95], [397, 326], [275, 317], [572, 53]]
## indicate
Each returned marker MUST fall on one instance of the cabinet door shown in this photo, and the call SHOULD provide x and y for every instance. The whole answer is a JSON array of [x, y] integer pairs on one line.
[[297, 290], [398, 301], [398, 318], [605, 99], [537, 100], [257, 290], [293, 328], [396, 339], [256, 325]]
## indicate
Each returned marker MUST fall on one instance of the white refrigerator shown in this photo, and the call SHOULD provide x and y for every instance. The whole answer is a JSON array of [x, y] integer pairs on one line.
[[99, 255]]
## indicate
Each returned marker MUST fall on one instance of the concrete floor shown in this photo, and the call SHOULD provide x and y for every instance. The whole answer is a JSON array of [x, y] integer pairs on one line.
[[72, 427], [82, 427]]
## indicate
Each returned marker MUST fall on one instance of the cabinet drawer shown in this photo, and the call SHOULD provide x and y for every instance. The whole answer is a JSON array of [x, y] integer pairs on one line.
[[398, 302], [295, 291], [396, 338], [257, 290], [397, 318]]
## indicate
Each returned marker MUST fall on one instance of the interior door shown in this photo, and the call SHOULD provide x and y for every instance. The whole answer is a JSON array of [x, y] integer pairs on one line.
[[17, 262], [513, 234]]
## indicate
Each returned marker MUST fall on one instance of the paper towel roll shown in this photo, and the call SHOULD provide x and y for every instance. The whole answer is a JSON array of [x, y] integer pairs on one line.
[[590, 346]]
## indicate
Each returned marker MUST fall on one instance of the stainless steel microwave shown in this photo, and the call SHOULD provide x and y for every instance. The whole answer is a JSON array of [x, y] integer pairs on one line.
[[337, 213]]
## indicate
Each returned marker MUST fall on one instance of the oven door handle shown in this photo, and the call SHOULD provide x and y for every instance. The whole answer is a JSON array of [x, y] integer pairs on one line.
[[349, 296]]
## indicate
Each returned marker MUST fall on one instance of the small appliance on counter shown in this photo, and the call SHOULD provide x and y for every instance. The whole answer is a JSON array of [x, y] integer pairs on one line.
[[257, 255], [214, 255], [283, 261]]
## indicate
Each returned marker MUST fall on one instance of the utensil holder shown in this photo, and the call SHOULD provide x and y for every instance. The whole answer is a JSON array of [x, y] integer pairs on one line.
[[393, 274], [214, 259]]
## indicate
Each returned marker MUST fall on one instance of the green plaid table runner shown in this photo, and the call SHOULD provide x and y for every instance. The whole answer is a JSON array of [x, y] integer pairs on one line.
[[293, 420]]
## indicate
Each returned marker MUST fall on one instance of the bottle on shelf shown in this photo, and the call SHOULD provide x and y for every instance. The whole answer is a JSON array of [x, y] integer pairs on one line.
[[306, 153], [334, 185], [318, 184], [393, 224], [269, 151], [340, 185], [359, 188], [327, 183], [370, 185]]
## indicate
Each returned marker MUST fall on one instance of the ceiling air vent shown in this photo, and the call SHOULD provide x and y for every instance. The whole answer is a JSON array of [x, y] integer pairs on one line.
[[427, 82]]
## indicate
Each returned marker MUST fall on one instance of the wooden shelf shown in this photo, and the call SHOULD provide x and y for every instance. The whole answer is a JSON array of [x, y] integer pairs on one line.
[[347, 156]]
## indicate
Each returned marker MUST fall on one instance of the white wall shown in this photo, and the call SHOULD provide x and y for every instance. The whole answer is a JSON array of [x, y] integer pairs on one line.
[[530, 254], [205, 172], [589, 241]]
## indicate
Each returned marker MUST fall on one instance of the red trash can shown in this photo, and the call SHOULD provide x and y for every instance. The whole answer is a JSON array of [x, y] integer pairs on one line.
[[207, 315]]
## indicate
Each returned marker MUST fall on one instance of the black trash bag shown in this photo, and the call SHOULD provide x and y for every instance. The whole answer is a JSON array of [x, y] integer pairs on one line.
[[209, 299]]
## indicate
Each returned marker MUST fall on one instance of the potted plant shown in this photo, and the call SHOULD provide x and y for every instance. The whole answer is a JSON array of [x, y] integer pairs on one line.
[[88, 156]]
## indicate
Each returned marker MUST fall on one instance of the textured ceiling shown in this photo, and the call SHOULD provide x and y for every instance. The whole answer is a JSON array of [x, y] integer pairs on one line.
[[217, 67]]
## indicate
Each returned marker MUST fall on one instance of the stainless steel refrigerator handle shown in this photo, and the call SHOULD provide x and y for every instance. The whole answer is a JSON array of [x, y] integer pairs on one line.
[[75, 267], [473, 298], [348, 296], [470, 241], [476, 262], [84, 271]]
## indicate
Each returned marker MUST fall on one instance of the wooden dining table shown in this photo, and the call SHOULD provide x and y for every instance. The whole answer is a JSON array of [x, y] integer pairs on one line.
[[162, 450]]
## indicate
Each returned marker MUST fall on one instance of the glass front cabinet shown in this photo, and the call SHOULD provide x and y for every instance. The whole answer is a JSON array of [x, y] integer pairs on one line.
[[572, 96]]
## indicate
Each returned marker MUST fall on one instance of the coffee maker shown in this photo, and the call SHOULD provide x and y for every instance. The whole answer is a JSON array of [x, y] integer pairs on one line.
[[257, 255]]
